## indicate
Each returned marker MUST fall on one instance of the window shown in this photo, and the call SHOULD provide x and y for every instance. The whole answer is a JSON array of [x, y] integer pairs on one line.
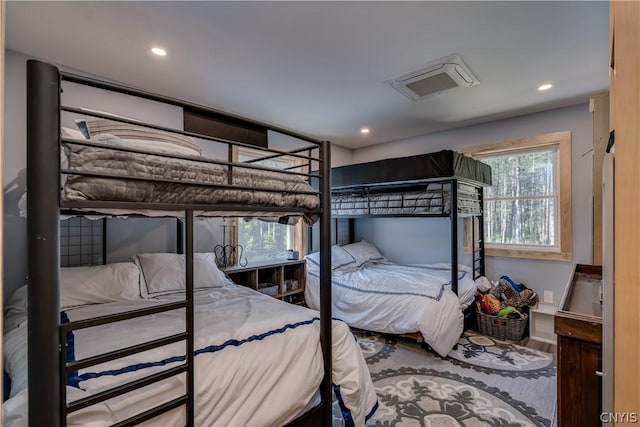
[[263, 240], [268, 239], [527, 210]]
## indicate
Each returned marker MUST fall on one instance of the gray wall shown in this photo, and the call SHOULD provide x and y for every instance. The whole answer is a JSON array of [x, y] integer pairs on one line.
[[341, 156], [427, 240], [125, 236]]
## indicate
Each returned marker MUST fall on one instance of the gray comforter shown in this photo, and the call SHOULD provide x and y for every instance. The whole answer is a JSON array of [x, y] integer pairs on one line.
[[101, 160]]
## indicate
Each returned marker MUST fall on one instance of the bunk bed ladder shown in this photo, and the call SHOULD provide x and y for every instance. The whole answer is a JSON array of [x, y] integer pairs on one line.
[[477, 245], [68, 370], [481, 253]]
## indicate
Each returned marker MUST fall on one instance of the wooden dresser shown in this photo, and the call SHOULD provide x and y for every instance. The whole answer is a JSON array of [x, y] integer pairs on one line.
[[578, 324]]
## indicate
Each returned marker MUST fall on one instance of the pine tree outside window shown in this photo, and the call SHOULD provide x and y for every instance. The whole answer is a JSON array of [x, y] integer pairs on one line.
[[527, 210]]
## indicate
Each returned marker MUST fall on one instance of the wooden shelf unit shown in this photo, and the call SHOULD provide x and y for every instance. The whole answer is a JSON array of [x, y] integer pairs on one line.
[[273, 278]]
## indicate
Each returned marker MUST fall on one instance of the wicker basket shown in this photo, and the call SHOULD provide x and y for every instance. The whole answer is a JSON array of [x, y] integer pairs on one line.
[[501, 328]]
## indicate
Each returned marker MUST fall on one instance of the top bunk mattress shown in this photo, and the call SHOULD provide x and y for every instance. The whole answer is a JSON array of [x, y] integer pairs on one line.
[[443, 164], [145, 181]]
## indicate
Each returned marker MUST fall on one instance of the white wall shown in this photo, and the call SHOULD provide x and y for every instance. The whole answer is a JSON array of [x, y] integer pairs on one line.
[[341, 156], [427, 240], [125, 237], [14, 172]]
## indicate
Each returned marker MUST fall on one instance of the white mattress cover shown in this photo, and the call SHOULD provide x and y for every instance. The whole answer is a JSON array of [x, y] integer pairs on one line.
[[258, 362], [397, 299]]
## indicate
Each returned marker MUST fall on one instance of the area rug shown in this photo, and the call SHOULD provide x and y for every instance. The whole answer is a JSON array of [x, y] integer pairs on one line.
[[483, 382]]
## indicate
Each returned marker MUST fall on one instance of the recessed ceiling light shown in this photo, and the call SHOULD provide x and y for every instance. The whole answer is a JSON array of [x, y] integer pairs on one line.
[[159, 51], [545, 86], [364, 130]]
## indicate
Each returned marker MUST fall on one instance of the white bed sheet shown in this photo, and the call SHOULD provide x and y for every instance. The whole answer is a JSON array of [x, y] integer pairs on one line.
[[398, 299], [258, 362]]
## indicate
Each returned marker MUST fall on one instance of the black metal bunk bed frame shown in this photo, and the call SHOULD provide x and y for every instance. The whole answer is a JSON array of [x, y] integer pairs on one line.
[[477, 245], [46, 333]]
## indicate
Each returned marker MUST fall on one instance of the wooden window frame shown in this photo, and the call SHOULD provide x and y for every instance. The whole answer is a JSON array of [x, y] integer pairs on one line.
[[562, 140]]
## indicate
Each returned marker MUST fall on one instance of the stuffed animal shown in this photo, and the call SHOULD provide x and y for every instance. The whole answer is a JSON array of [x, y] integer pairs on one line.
[[518, 287], [508, 296], [503, 291], [529, 297]]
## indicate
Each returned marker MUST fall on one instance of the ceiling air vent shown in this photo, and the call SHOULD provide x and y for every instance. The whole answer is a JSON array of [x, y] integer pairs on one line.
[[435, 77]]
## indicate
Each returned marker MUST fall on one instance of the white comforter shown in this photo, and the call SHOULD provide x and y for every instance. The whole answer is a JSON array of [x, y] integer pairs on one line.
[[258, 362], [397, 299]]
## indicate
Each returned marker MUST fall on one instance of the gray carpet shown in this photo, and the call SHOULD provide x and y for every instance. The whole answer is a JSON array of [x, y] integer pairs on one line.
[[483, 382]]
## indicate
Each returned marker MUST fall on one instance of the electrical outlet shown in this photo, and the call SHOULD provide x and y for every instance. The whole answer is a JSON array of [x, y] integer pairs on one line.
[[548, 297]]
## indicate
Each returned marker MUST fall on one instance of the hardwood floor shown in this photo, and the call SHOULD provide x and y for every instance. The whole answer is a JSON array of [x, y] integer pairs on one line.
[[539, 345]]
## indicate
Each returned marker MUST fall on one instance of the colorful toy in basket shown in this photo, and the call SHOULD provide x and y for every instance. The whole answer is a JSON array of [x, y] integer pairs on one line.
[[504, 312], [489, 304]]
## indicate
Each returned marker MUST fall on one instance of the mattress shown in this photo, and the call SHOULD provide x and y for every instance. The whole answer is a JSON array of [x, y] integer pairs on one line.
[[188, 173], [442, 164], [258, 362], [397, 299], [434, 199]]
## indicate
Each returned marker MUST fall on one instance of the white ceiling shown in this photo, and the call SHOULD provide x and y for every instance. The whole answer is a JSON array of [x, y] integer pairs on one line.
[[319, 67]]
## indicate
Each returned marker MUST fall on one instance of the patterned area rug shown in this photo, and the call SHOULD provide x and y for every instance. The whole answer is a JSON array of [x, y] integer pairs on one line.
[[483, 382]]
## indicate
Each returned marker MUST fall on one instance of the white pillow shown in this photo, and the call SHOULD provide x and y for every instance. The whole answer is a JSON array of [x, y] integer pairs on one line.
[[92, 127], [15, 309], [71, 133], [159, 147], [364, 253], [99, 284], [165, 273], [82, 125], [340, 259]]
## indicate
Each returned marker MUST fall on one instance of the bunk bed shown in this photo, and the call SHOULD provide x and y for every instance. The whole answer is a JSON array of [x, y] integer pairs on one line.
[[105, 176], [424, 301]]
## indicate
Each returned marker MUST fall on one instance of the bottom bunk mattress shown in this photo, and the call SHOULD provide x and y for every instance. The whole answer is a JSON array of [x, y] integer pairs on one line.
[[398, 299], [258, 362]]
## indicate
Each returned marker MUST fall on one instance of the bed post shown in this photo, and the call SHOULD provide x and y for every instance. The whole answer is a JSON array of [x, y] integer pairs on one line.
[[325, 280], [43, 244], [190, 343], [179, 236], [453, 202], [104, 240]]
